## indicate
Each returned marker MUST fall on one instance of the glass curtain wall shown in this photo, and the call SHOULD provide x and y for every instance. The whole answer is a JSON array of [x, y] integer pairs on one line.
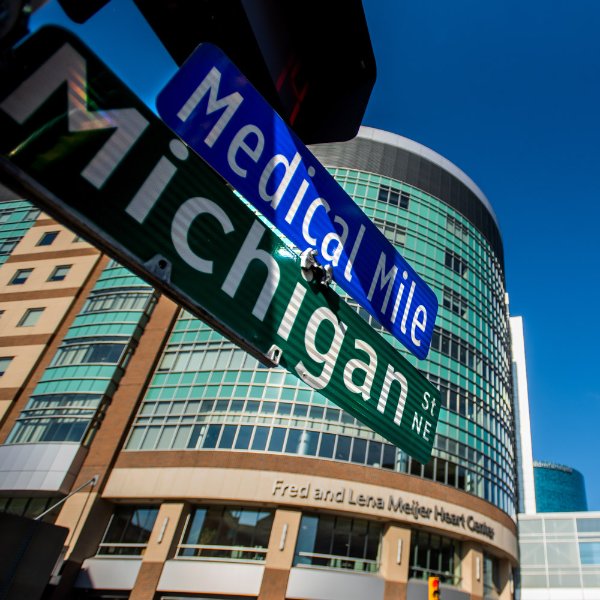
[[560, 551], [16, 218], [68, 403], [208, 394]]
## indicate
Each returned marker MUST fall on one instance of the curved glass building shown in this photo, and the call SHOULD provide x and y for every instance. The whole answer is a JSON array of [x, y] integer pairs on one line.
[[221, 477], [558, 488], [444, 226]]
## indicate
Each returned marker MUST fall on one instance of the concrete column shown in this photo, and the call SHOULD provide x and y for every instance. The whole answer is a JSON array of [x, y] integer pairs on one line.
[[395, 560], [161, 546], [507, 586], [472, 571], [280, 554]]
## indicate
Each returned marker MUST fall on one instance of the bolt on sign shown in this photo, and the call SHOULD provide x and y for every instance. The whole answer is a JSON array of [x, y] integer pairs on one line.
[[78, 142]]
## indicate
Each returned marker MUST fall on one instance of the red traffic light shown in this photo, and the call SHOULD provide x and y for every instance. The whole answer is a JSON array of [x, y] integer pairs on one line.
[[312, 61], [434, 588]]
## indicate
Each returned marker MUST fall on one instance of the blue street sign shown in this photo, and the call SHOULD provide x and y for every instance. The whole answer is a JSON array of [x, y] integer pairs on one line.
[[217, 112]]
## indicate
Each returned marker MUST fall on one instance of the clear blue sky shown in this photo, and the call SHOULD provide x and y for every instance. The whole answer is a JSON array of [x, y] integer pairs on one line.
[[510, 92]]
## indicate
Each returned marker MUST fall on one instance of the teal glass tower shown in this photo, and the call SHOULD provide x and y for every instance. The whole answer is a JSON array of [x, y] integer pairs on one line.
[[558, 488]]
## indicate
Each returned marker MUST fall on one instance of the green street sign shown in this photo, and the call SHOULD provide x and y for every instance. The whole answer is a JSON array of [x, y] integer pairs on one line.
[[76, 140]]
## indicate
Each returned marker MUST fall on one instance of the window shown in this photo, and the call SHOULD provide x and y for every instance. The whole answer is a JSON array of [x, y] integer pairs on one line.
[[588, 526], [57, 418], [457, 228], [20, 277], [589, 553], [117, 301], [434, 555], [7, 245], [456, 399], [454, 262], [128, 531], [59, 273], [30, 507], [4, 362], [491, 574], [47, 238], [454, 302], [31, 317], [393, 196], [532, 554], [225, 532], [454, 347], [83, 353], [338, 543], [393, 232]]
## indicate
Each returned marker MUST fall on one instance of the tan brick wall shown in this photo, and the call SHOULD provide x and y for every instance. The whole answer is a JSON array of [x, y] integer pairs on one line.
[[318, 468]]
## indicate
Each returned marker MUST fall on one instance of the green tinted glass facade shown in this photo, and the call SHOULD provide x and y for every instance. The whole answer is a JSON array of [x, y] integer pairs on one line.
[[558, 488], [16, 218], [70, 399], [208, 394]]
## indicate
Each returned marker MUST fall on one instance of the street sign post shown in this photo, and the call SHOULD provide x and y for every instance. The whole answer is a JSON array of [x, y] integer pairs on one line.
[[218, 113], [94, 156]]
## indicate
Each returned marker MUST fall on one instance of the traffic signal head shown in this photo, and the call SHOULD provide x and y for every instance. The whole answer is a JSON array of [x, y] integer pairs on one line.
[[311, 60], [434, 588]]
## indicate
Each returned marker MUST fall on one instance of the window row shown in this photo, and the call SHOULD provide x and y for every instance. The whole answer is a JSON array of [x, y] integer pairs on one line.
[[454, 347], [482, 226], [30, 317], [454, 302], [227, 533], [434, 555], [457, 228], [99, 350], [191, 357], [242, 534], [67, 417], [393, 196], [22, 275], [563, 527], [113, 301], [46, 239], [455, 263], [264, 438], [259, 438], [31, 508], [22, 214], [456, 399], [244, 407], [395, 233], [7, 245]]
